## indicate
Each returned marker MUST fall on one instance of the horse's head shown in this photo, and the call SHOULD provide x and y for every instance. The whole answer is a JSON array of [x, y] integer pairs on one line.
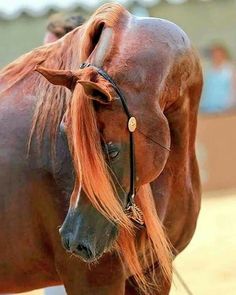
[[119, 140], [113, 157], [120, 137]]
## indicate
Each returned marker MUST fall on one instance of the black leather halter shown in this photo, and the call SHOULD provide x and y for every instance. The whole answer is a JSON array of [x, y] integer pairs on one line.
[[131, 124]]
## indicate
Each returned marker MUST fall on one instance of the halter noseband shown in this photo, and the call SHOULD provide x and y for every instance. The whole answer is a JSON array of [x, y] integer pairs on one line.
[[131, 208]]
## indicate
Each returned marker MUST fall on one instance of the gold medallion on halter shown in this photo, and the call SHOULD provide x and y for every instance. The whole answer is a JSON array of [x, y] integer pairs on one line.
[[132, 124]]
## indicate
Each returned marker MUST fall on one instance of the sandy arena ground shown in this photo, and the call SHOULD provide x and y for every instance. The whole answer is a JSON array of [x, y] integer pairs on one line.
[[208, 265]]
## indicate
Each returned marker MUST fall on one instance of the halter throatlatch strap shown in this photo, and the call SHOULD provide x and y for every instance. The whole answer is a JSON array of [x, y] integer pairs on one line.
[[132, 210]]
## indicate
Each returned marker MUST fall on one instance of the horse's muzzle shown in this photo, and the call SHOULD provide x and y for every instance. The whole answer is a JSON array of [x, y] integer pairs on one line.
[[80, 249]]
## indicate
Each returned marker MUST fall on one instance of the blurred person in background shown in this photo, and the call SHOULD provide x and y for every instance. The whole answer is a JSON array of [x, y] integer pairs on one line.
[[219, 90], [59, 25]]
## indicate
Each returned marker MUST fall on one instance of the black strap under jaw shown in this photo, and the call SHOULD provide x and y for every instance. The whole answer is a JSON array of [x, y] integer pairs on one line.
[[131, 127]]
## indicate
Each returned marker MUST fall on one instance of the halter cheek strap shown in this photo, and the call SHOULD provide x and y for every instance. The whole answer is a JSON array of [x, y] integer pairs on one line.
[[131, 208]]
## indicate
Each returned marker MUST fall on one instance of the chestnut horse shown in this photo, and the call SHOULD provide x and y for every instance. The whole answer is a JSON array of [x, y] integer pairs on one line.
[[71, 158]]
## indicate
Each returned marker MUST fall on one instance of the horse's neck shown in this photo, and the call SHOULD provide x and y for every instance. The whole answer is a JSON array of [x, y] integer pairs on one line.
[[177, 189]]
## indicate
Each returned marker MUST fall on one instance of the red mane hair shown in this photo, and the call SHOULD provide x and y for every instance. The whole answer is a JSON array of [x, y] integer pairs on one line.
[[92, 171]]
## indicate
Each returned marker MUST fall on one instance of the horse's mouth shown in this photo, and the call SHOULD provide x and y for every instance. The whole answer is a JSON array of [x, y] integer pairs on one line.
[[87, 259], [91, 258]]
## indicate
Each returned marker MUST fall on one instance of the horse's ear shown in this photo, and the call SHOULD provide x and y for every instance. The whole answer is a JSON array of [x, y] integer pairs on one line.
[[96, 91], [58, 77]]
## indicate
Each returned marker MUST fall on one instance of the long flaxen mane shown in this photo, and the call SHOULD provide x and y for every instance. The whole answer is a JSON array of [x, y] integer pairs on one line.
[[92, 172]]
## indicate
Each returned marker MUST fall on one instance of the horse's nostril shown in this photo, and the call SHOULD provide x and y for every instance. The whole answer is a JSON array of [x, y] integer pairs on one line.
[[85, 251]]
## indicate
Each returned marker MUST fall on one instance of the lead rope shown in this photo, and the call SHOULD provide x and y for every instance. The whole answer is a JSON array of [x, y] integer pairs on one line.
[[182, 282]]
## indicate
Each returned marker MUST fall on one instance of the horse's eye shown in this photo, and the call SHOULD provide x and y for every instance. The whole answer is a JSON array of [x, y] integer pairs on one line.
[[113, 154], [112, 150]]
